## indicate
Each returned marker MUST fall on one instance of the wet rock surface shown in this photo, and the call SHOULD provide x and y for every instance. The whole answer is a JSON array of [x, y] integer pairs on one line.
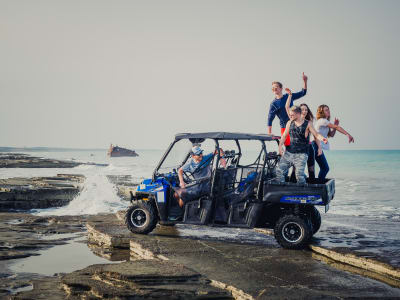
[[124, 184], [370, 244], [250, 262], [200, 261], [371, 238], [141, 279], [24, 235], [39, 192]]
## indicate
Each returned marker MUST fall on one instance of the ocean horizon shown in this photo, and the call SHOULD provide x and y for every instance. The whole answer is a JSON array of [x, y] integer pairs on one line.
[[367, 181]]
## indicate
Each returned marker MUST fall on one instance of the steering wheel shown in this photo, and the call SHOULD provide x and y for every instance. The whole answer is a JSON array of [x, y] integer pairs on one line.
[[187, 178]]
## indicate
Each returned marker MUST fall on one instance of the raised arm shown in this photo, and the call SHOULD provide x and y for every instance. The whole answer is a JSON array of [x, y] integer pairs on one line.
[[341, 130], [284, 136], [289, 100], [303, 92], [305, 79]]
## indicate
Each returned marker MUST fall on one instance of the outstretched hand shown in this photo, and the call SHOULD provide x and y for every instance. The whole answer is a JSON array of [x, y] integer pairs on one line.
[[351, 139], [305, 78], [288, 91], [336, 122]]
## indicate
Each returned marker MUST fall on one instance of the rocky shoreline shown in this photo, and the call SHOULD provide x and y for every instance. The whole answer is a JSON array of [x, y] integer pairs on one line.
[[39, 192], [20, 160], [179, 262], [183, 261]]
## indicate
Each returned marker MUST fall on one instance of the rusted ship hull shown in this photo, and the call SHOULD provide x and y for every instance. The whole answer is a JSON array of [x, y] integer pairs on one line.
[[116, 151]]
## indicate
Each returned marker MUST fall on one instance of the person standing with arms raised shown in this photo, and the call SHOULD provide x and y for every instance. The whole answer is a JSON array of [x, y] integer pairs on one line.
[[326, 129], [277, 107]]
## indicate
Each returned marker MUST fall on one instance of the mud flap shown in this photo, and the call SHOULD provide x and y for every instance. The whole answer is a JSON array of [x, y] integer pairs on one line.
[[197, 212]]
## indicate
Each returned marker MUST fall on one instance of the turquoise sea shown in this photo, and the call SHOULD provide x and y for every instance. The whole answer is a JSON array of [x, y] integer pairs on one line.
[[367, 181]]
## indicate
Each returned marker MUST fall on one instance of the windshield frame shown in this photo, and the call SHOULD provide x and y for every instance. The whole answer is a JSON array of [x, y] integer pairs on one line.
[[218, 157]]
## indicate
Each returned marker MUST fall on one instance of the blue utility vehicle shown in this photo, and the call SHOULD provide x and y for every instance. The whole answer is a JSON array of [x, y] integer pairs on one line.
[[237, 192]]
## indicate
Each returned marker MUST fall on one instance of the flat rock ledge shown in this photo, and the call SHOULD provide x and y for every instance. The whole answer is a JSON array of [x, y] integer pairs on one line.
[[39, 192], [384, 271], [19, 160], [166, 243], [385, 267], [141, 279], [108, 231], [25, 235]]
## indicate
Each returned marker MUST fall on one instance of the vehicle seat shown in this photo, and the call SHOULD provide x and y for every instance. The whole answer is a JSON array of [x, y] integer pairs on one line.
[[244, 189]]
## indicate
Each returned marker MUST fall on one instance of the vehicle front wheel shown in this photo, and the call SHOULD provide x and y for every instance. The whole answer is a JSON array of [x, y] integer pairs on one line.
[[293, 232], [141, 217]]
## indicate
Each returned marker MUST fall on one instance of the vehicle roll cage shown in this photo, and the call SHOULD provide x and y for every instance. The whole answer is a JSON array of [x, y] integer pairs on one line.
[[197, 138]]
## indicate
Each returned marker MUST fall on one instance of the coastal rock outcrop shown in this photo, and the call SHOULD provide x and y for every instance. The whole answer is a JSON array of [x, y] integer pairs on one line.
[[39, 192], [19, 160], [141, 279], [24, 235]]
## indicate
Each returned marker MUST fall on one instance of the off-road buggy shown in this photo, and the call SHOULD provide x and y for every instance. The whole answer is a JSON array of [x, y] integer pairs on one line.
[[237, 193]]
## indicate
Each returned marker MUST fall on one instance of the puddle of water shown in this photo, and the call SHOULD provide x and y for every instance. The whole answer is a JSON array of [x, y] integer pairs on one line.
[[15, 222], [21, 289], [60, 236], [74, 255]]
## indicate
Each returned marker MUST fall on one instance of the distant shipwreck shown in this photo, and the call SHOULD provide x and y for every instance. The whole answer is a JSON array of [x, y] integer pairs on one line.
[[115, 151]]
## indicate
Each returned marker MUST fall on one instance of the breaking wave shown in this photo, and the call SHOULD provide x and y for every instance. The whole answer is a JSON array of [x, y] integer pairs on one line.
[[97, 196]]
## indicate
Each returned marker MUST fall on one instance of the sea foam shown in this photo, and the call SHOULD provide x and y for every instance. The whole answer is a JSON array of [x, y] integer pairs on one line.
[[97, 196]]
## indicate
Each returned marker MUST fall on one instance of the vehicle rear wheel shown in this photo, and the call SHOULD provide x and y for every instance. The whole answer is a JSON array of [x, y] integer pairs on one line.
[[141, 217], [315, 219], [293, 232]]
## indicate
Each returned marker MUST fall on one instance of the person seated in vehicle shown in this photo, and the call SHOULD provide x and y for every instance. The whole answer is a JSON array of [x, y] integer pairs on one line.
[[296, 153], [199, 166]]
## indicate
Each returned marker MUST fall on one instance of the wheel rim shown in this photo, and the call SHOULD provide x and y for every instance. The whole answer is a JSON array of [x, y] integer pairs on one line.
[[292, 232], [138, 217]]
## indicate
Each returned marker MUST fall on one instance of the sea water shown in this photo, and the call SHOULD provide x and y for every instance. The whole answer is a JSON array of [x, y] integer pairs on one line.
[[367, 182]]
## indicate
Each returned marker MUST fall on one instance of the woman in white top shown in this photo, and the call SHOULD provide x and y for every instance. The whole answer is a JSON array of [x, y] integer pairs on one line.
[[326, 129]]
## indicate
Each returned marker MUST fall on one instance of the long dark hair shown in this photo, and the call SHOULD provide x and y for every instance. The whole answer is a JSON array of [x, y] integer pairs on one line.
[[309, 115]]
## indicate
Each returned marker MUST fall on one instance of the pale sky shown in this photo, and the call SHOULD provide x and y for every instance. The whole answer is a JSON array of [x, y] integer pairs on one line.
[[88, 73]]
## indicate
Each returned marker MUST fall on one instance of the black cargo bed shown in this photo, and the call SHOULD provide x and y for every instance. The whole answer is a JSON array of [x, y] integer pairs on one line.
[[320, 193]]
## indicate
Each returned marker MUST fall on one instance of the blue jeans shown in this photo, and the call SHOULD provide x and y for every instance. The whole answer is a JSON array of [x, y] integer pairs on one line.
[[321, 161]]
